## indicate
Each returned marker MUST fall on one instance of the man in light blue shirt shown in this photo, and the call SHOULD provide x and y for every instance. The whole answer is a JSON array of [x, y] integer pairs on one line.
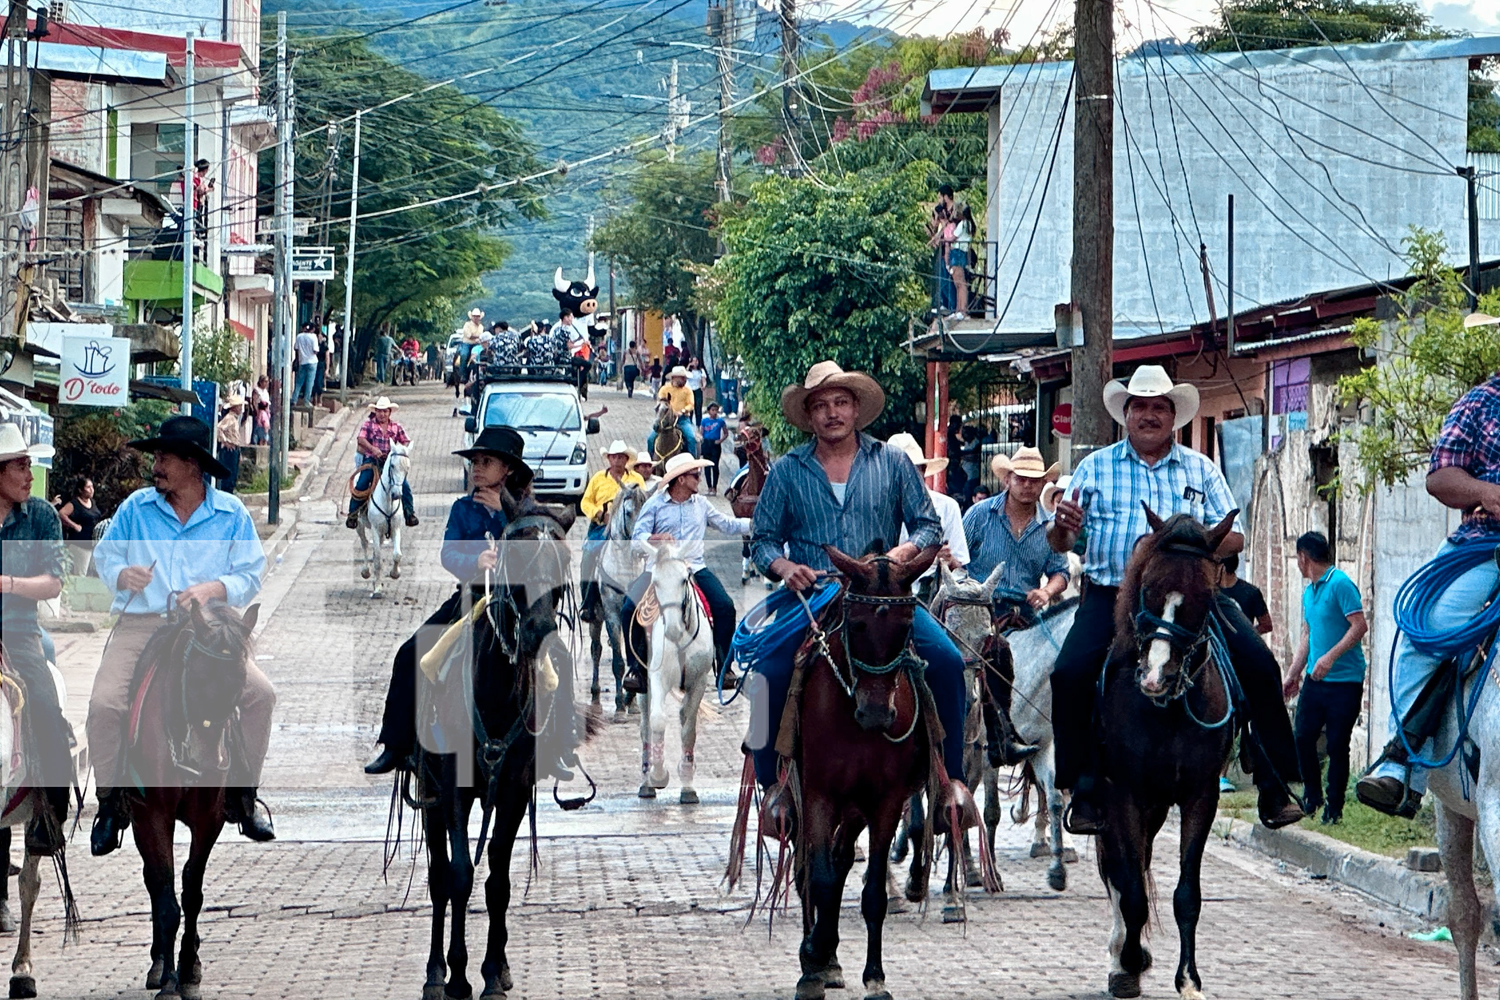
[[174, 543]]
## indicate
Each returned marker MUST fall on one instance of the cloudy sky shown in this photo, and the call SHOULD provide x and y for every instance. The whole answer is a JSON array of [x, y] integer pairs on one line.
[[1140, 19]]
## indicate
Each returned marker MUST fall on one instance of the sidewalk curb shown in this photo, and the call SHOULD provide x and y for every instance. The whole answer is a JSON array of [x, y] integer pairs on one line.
[[315, 460], [280, 539], [1386, 879]]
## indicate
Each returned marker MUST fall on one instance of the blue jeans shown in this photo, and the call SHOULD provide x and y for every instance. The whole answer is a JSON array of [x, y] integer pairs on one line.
[[689, 436], [382, 367], [306, 376], [947, 292], [367, 467], [1463, 599], [945, 677], [461, 362]]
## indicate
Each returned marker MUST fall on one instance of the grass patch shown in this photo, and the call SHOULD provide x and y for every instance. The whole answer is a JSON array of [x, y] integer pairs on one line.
[[1362, 826], [261, 481]]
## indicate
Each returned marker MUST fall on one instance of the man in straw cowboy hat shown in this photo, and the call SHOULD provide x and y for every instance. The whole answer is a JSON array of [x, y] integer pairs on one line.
[[645, 467], [178, 541], [230, 429], [471, 335], [679, 397], [1011, 528], [676, 513], [376, 435], [33, 563], [845, 488], [955, 550], [600, 492], [1105, 500]]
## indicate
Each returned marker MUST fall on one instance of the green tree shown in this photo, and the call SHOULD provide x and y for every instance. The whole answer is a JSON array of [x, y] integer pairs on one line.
[[816, 271], [221, 355], [1428, 360]]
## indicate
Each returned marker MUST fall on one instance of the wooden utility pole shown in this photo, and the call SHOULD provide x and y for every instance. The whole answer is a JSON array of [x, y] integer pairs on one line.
[[724, 30], [282, 297], [349, 270], [1093, 221], [791, 101], [189, 224]]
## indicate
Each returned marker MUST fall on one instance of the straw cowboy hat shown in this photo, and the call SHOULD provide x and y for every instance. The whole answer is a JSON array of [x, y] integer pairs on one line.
[[904, 442], [868, 395], [643, 458], [186, 437], [507, 444], [1149, 381], [680, 463], [1053, 492], [233, 399], [13, 445], [384, 403], [1000, 465], [476, 313], [616, 447], [1028, 462], [678, 372]]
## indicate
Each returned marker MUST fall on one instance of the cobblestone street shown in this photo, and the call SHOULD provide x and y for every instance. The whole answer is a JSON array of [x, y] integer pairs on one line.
[[627, 901]]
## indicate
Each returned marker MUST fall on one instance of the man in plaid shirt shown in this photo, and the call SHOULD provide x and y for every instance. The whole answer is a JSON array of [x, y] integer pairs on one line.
[[1464, 474], [376, 435]]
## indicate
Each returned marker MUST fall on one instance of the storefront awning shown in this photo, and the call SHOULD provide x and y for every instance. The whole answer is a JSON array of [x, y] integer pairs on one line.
[[161, 281]]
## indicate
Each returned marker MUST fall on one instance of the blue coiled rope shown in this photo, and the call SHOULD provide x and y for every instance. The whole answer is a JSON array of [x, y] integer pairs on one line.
[[774, 628], [1413, 610]]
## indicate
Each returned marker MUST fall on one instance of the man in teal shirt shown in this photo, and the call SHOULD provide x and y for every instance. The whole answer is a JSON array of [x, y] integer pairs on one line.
[[1333, 661]]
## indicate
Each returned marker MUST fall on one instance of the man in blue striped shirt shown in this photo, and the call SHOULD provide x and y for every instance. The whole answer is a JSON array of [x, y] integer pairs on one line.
[[844, 488], [1105, 499]]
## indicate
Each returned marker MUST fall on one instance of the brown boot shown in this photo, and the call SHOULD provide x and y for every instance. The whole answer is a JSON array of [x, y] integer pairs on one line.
[[1277, 809]]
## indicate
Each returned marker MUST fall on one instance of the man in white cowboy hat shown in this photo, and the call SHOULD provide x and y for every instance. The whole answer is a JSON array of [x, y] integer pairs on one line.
[[845, 488], [33, 563], [376, 435], [1010, 528], [676, 513], [679, 397], [600, 492], [955, 550], [178, 541], [231, 433], [471, 335], [645, 467], [1105, 500]]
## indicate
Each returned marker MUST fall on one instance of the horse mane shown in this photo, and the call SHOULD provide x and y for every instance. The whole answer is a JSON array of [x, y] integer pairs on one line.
[[214, 613], [1180, 535]]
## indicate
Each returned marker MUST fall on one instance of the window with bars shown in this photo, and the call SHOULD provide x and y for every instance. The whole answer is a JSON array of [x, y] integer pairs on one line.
[[65, 238]]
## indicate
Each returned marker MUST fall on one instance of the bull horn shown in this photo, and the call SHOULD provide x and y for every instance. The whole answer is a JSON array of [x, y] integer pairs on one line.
[[558, 284], [590, 281]]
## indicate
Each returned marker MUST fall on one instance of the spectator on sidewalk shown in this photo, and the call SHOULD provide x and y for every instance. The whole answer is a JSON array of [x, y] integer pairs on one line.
[[385, 344], [306, 347], [231, 438], [1333, 662], [697, 378], [712, 429], [1246, 594]]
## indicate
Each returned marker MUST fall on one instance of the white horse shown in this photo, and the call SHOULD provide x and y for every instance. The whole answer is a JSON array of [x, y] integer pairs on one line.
[[13, 774], [615, 568], [381, 517], [682, 656]]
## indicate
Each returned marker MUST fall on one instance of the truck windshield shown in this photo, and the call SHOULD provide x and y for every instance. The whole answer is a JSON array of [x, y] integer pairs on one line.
[[532, 411]]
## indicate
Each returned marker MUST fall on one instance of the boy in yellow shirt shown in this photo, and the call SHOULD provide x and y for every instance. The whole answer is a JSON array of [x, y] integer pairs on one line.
[[602, 488]]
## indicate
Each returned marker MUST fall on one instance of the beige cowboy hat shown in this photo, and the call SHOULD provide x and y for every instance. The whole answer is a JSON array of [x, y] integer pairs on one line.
[[616, 447], [13, 445], [828, 375], [1053, 492], [476, 313], [907, 444], [1000, 465], [1028, 462], [678, 372], [233, 399], [384, 403], [680, 463], [1148, 381]]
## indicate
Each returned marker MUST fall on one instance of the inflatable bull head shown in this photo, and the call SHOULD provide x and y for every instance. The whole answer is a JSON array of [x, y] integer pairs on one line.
[[582, 297]]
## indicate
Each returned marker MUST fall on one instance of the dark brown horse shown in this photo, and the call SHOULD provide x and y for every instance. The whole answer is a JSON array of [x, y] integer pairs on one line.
[[517, 700], [1167, 709], [187, 686], [743, 494], [669, 440], [865, 746]]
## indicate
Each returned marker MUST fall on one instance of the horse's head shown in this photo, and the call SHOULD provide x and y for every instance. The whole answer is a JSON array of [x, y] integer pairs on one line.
[[398, 462], [1166, 598], [672, 578], [212, 644], [878, 611], [623, 510], [965, 603], [665, 418]]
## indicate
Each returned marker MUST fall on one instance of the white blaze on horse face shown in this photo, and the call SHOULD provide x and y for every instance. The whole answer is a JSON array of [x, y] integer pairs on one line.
[[1160, 650]]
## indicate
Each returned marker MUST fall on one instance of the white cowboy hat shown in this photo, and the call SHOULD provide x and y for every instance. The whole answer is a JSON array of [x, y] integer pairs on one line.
[[1053, 492], [616, 447], [680, 463], [233, 399], [828, 375], [384, 403], [643, 458], [1149, 381], [904, 442], [1028, 462], [678, 372], [13, 445], [476, 313]]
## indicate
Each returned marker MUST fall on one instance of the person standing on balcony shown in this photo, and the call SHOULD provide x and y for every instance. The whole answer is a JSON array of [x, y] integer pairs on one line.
[[958, 258]]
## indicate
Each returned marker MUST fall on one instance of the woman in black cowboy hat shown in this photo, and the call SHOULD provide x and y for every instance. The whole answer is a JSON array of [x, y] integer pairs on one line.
[[495, 460]]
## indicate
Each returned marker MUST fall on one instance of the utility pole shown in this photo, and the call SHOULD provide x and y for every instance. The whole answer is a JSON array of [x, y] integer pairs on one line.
[[791, 103], [1229, 292], [617, 329], [189, 223], [282, 292], [671, 131], [1093, 221], [725, 33], [1471, 175], [349, 270], [325, 215]]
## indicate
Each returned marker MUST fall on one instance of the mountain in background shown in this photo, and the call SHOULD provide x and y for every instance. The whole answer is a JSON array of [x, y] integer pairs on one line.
[[585, 77]]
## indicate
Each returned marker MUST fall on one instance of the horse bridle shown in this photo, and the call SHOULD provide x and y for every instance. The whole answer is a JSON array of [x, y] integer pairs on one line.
[[906, 659], [1151, 628], [390, 492]]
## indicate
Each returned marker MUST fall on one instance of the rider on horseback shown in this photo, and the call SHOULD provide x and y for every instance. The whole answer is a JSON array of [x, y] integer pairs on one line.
[[676, 513], [601, 491], [679, 398], [846, 489], [376, 435], [178, 541], [474, 523], [1108, 490], [33, 559]]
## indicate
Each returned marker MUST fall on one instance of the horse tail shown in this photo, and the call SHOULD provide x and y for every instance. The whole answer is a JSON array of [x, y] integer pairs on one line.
[[1022, 812], [740, 830], [72, 919]]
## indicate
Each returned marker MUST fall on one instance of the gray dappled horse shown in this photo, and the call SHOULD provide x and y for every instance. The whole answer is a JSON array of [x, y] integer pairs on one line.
[[615, 569]]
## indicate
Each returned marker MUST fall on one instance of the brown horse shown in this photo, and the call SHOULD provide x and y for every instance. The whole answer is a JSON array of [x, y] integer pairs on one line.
[[865, 745], [743, 494], [1167, 707], [187, 686], [668, 440]]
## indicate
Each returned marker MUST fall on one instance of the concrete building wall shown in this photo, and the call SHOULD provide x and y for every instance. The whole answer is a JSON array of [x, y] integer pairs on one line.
[[1330, 156], [159, 17]]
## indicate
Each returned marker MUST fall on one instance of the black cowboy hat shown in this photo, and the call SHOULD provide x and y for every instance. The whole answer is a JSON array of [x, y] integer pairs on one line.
[[187, 437], [507, 443]]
